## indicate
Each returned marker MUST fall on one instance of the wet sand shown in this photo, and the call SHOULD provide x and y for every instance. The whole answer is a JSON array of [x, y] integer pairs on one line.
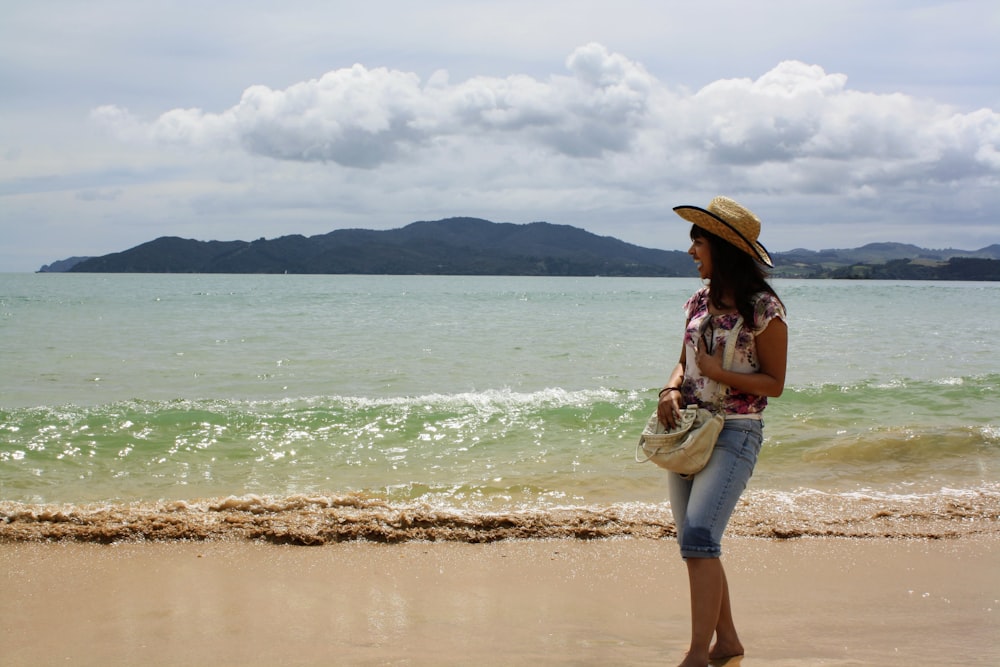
[[806, 602]]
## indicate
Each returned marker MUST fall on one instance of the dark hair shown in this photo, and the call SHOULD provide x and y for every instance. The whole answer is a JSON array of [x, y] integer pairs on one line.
[[735, 273]]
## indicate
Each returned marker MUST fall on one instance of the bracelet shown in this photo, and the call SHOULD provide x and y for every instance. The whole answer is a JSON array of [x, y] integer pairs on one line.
[[666, 389]]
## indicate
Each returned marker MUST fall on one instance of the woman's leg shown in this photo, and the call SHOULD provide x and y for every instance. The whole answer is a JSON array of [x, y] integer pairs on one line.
[[706, 581], [706, 503], [711, 613], [727, 641]]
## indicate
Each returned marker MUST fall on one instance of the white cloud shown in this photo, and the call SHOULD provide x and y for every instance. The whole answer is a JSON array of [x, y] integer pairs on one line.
[[360, 117], [795, 126]]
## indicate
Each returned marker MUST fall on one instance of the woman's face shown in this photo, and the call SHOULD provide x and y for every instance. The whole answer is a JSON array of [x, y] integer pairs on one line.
[[701, 253]]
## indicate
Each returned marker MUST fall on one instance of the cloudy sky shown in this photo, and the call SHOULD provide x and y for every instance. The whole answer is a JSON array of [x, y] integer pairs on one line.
[[838, 123]]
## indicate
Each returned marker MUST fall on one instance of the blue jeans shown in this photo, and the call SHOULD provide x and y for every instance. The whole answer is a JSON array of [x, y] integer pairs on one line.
[[703, 504]]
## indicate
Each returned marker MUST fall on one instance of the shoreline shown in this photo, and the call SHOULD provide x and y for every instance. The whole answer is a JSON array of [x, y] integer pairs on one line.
[[313, 520], [809, 602]]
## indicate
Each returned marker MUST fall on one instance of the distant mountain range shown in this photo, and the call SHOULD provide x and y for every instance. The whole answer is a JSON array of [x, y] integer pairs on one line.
[[471, 246]]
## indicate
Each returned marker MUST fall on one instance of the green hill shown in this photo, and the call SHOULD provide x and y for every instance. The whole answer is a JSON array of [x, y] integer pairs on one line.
[[456, 246], [471, 246]]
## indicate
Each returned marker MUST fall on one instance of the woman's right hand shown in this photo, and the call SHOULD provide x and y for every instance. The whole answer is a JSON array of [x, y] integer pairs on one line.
[[668, 411]]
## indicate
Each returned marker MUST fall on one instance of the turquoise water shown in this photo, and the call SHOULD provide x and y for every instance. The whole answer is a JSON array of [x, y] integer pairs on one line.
[[477, 394]]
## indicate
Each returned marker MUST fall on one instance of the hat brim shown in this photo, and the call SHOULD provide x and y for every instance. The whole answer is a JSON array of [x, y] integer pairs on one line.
[[716, 225]]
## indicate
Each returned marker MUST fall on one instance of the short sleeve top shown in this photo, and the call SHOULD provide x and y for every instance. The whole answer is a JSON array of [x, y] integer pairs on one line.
[[699, 390]]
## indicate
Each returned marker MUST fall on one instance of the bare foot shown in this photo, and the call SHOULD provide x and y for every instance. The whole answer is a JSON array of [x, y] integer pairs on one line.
[[734, 661], [692, 660], [723, 651]]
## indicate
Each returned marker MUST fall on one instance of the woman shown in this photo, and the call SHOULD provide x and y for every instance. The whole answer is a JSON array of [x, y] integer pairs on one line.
[[739, 302]]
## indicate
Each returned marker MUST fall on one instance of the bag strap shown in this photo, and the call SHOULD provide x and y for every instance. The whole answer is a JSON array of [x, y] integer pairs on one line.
[[728, 355], [730, 352]]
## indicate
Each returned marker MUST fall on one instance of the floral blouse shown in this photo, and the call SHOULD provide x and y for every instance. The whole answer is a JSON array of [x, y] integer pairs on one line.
[[714, 330]]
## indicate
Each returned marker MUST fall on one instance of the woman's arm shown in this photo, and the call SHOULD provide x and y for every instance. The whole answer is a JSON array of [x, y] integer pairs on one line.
[[670, 403], [772, 351]]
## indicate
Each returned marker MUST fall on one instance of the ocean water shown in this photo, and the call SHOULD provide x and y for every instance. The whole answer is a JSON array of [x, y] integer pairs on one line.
[[317, 408]]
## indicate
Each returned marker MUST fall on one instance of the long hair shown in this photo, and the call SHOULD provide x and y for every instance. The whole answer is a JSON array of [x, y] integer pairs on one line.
[[734, 273]]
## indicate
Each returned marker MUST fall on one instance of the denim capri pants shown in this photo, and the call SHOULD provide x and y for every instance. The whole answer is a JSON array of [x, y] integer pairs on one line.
[[703, 504]]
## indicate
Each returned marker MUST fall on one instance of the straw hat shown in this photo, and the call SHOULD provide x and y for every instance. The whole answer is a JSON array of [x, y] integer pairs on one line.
[[730, 221]]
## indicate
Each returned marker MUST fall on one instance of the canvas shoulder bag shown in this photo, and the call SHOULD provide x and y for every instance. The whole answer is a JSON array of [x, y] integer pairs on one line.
[[686, 448]]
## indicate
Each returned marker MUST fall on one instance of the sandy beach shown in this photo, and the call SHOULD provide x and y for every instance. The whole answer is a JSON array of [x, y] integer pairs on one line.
[[804, 602]]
